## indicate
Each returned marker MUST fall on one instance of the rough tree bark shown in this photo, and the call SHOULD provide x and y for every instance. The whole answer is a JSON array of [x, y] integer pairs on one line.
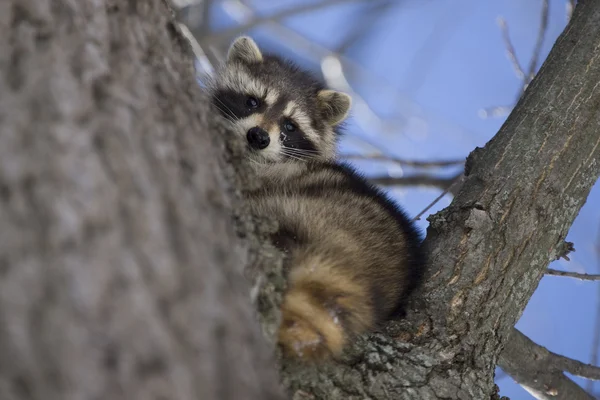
[[121, 272], [491, 246]]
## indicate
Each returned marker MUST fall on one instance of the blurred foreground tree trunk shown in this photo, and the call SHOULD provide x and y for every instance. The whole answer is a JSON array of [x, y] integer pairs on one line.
[[121, 273]]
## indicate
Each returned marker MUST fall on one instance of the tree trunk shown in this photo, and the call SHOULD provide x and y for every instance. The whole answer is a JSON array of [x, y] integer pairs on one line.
[[490, 247], [120, 269]]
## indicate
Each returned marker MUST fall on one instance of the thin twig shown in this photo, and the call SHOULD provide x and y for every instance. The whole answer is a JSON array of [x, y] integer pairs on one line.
[[538, 44], [368, 19], [583, 277], [335, 77], [404, 162], [526, 78], [446, 191], [510, 50], [228, 34], [413, 180]]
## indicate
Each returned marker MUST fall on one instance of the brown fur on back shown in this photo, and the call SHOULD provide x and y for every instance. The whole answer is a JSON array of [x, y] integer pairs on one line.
[[353, 256]]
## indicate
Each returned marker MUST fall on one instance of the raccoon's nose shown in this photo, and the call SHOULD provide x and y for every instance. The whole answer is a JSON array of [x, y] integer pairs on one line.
[[258, 138]]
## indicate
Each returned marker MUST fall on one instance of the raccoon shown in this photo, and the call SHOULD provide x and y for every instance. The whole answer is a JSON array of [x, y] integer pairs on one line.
[[283, 112], [352, 255]]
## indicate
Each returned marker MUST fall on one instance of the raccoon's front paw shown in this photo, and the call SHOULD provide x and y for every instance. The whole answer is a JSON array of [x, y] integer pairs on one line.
[[308, 331], [298, 338]]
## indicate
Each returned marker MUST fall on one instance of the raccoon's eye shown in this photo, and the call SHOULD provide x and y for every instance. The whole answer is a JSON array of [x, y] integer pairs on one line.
[[289, 126], [252, 102]]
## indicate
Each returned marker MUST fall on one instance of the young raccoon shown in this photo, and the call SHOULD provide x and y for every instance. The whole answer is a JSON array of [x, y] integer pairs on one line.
[[353, 256], [283, 112]]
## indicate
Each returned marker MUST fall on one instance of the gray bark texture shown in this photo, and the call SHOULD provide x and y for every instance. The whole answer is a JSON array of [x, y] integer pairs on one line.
[[121, 269]]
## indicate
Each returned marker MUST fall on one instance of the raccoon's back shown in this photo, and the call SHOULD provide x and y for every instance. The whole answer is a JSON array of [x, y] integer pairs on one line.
[[331, 209]]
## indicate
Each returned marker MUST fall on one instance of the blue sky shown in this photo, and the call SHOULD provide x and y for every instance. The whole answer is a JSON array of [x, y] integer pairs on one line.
[[431, 66]]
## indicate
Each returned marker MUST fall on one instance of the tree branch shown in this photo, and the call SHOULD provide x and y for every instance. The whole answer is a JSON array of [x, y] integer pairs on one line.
[[414, 180], [120, 266], [510, 49], [490, 247], [540, 371], [228, 34], [583, 277], [538, 44], [404, 162], [452, 189], [512, 56]]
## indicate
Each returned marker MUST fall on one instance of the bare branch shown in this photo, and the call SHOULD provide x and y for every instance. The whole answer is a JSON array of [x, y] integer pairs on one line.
[[365, 23], [500, 111], [335, 77], [538, 44], [227, 34], [453, 189], [195, 14], [583, 277], [414, 180], [575, 367], [510, 50], [404, 162], [540, 371]]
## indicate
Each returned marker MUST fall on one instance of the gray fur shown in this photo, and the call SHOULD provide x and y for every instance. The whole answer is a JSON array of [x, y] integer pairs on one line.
[[284, 90]]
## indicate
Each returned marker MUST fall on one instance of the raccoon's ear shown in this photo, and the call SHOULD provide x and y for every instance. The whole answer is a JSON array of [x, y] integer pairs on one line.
[[244, 50], [335, 106]]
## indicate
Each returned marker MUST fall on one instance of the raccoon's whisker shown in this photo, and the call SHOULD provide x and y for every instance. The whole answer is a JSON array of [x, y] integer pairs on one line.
[[299, 153], [253, 161], [292, 156], [224, 111], [227, 110], [227, 113], [303, 151], [287, 144], [300, 149], [223, 107], [297, 158]]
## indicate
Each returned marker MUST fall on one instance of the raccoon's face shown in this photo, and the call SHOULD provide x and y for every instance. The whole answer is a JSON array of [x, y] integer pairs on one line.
[[280, 111]]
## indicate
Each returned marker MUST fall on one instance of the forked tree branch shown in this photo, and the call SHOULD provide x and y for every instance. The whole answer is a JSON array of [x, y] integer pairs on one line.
[[541, 372]]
